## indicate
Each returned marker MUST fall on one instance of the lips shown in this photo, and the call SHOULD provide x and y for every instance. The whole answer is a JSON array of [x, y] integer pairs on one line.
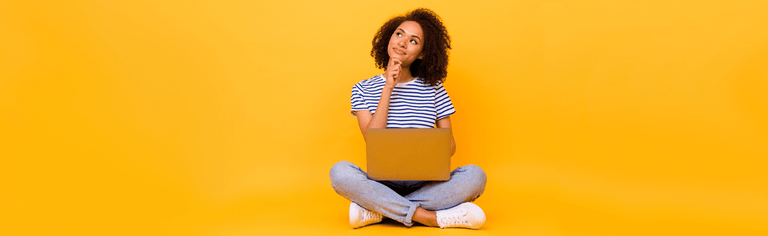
[[398, 51]]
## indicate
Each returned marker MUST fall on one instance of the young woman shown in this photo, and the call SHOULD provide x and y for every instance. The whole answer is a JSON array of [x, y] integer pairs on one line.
[[413, 50]]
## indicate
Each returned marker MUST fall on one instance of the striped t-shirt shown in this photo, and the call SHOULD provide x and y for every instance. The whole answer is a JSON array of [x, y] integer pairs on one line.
[[411, 105]]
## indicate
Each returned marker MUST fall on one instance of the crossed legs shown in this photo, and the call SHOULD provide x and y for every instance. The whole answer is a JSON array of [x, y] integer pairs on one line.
[[466, 184]]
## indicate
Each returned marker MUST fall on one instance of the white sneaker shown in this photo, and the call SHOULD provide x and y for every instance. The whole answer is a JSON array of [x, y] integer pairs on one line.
[[465, 215], [359, 217]]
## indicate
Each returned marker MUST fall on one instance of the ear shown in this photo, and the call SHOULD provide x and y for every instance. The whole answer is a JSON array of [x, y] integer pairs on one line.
[[421, 56]]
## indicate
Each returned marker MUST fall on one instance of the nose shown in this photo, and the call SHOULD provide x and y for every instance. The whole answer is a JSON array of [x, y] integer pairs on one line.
[[402, 43]]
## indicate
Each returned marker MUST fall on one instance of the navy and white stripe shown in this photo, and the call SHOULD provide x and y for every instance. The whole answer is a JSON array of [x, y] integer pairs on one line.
[[411, 105]]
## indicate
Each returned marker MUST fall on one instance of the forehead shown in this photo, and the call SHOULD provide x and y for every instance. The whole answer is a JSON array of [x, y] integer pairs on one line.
[[412, 28]]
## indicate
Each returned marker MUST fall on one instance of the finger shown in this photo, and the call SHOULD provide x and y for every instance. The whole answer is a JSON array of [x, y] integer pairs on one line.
[[392, 65], [393, 61]]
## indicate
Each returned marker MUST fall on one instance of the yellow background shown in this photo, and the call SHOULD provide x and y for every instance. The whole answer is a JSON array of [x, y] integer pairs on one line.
[[224, 117]]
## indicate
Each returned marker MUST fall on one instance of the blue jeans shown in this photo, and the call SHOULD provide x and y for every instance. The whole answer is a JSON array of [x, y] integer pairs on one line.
[[398, 200]]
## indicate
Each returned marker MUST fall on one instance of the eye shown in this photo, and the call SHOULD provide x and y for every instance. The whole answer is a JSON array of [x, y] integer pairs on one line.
[[399, 34], [414, 41]]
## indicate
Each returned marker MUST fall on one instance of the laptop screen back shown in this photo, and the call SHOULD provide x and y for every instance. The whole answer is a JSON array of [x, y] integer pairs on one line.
[[408, 154]]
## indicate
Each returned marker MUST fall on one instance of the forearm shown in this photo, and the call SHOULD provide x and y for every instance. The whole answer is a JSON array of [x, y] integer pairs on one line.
[[446, 123], [379, 119], [453, 146]]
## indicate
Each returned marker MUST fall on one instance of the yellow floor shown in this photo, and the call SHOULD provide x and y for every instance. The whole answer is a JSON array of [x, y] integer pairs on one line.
[[515, 204], [521, 199]]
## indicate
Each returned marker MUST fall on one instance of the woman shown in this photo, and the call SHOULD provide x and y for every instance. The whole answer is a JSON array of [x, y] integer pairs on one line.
[[413, 50]]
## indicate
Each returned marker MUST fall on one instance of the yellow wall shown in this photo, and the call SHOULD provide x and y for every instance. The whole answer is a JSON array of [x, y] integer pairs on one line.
[[190, 117]]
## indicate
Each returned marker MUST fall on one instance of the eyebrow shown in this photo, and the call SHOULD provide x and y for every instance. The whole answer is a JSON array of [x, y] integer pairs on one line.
[[409, 33]]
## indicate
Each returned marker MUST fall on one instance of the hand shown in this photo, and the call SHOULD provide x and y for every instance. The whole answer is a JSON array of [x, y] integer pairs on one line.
[[392, 73]]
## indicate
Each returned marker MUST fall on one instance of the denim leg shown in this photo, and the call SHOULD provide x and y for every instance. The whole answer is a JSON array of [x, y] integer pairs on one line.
[[467, 183], [353, 183]]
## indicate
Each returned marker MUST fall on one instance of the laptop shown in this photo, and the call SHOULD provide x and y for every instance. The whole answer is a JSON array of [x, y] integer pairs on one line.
[[408, 154]]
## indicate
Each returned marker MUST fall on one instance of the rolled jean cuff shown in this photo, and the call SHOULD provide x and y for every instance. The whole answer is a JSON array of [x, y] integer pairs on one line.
[[409, 217]]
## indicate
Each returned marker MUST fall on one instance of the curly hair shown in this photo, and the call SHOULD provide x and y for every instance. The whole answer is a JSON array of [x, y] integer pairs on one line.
[[433, 67]]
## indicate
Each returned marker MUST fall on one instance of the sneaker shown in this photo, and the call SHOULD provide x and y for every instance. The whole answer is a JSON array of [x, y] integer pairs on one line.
[[465, 215], [359, 216]]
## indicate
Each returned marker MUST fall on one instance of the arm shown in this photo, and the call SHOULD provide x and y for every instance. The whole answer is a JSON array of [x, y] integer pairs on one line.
[[445, 122], [379, 119]]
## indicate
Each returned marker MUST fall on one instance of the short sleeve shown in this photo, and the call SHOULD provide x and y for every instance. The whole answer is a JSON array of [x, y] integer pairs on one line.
[[358, 100], [443, 104]]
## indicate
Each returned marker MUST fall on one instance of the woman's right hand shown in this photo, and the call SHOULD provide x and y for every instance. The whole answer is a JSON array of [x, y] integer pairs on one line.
[[392, 73]]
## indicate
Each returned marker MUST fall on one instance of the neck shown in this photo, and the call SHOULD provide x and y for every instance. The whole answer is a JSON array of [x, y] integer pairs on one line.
[[405, 75]]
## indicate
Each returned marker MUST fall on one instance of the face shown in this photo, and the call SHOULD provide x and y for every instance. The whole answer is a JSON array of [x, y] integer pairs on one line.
[[406, 43]]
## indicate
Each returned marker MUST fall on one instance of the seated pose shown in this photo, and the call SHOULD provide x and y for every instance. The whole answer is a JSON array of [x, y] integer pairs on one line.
[[413, 51]]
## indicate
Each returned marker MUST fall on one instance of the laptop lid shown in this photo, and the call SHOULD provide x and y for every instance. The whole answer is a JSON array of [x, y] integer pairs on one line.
[[408, 154]]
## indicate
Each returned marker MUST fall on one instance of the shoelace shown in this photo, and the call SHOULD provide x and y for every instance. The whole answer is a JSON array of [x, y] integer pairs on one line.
[[457, 217], [368, 214]]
